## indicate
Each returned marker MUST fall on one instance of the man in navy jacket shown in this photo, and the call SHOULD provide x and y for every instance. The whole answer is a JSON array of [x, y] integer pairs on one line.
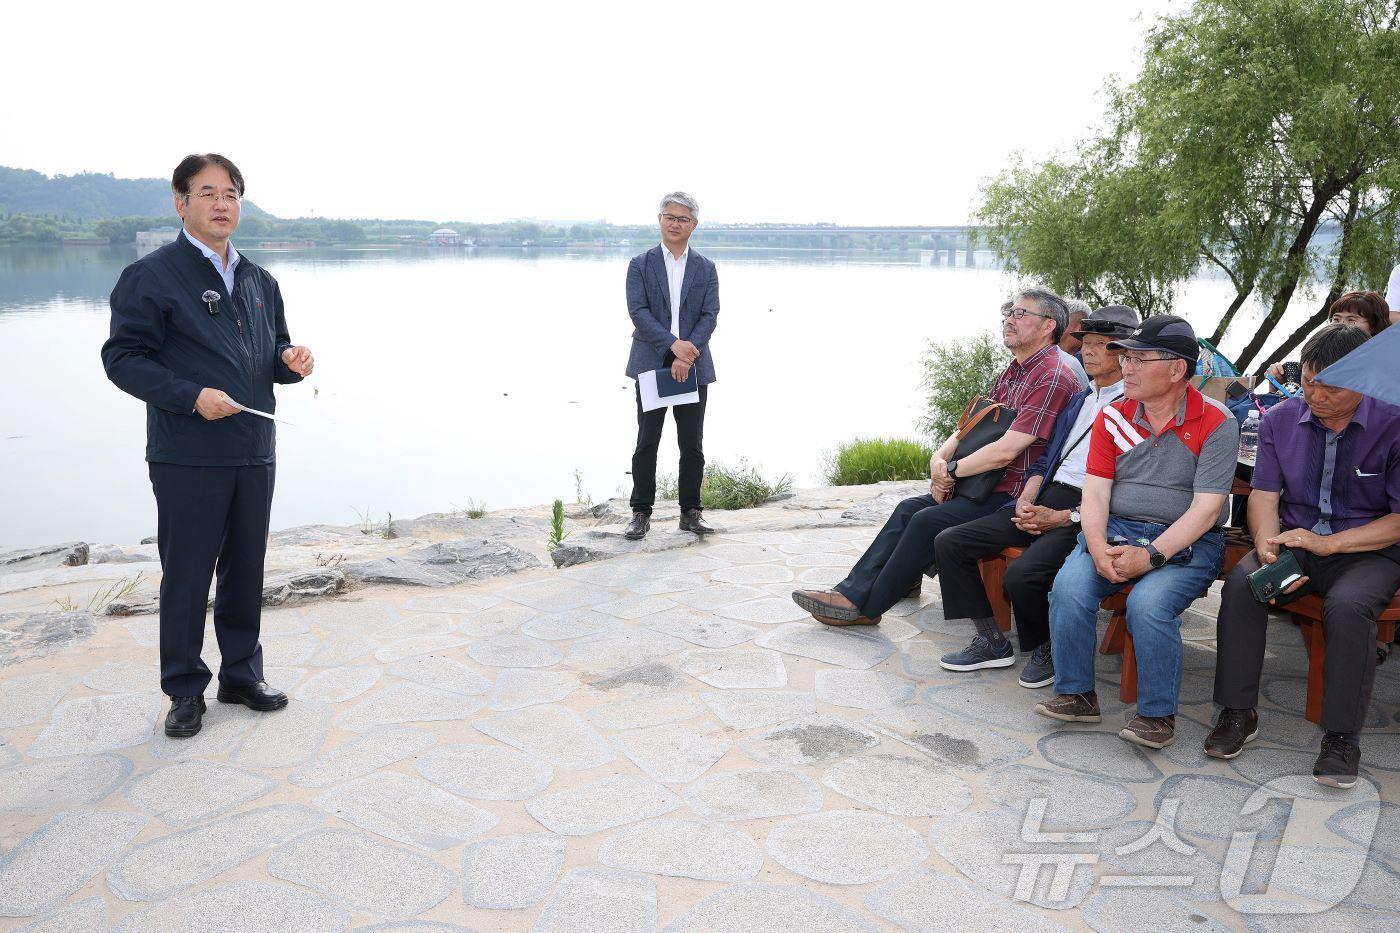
[[673, 300], [198, 331], [1044, 520]]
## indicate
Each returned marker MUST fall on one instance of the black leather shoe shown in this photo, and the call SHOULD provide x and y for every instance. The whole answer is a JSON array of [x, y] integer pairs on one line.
[[185, 718], [1233, 730], [1339, 761], [258, 696], [638, 527], [692, 520]]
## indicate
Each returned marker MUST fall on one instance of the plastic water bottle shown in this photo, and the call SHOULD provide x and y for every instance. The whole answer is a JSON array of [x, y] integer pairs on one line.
[[1249, 435]]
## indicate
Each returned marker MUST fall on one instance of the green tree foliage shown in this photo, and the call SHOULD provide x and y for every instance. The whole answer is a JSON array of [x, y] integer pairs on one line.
[[342, 231], [954, 372], [88, 195], [1253, 127], [25, 228], [1093, 228]]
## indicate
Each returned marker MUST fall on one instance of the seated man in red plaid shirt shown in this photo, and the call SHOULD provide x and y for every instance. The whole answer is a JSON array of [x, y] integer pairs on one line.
[[1036, 385]]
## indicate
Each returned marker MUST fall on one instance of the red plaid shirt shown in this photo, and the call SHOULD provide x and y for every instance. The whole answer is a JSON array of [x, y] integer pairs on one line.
[[1037, 389]]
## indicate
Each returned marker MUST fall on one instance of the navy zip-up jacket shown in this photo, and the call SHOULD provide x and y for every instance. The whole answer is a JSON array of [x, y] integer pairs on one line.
[[1059, 437], [165, 347]]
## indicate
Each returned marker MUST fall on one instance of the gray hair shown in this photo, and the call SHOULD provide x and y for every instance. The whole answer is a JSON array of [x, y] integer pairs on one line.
[[1051, 305], [684, 200], [1077, 306]]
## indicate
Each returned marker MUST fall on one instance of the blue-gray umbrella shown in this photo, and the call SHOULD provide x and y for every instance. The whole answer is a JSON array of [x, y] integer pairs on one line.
[[1369, 369]]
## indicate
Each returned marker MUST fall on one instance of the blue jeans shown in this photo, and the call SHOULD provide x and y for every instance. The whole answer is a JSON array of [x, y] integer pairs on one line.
[[1154, 614]]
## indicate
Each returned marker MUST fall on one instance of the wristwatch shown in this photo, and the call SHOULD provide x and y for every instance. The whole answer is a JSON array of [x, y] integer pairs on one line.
[[953, 468], [1075, 517], [1156, 557]]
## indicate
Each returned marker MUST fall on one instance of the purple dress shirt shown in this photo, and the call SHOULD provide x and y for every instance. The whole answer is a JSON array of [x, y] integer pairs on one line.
[[1363, 483]]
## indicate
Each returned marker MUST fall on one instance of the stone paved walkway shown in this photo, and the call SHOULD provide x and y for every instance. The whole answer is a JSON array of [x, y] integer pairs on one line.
[[658, 741]]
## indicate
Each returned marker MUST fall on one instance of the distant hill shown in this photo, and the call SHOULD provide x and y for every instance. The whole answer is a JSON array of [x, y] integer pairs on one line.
[[89, 196]]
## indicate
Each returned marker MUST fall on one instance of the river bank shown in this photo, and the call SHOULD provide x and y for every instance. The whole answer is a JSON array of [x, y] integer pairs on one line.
[[52, 588]]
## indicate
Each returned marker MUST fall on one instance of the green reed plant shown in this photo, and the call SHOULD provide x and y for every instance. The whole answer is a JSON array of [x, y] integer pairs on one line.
[[876, 459], [556, 525], [739, 487]]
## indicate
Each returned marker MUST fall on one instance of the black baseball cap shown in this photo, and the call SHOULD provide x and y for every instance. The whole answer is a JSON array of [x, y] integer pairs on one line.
[[1110, 320], [1165, 332]]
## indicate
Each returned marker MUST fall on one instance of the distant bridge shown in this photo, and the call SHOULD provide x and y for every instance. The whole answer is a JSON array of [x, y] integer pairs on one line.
[[830, 236]]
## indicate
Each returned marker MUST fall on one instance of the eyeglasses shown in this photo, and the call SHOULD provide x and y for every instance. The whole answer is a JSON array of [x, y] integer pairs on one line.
[[1132, 359], [215, 197], [673, 219], [1019, 313]]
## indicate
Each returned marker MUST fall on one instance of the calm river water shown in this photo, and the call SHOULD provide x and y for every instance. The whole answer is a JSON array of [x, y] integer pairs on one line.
[[446, 376]]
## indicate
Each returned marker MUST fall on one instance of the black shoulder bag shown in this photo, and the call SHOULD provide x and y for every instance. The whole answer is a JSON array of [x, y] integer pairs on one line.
[[983, 422]]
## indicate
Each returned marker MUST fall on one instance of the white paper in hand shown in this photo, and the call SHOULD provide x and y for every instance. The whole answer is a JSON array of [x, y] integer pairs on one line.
[[659, 390], [254, 411]]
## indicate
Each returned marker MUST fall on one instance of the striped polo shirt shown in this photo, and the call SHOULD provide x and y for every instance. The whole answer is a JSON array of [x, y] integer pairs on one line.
[[1155, 476]]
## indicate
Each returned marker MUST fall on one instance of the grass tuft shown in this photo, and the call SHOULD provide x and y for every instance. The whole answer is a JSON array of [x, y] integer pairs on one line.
[[739, 487], [875, 459]]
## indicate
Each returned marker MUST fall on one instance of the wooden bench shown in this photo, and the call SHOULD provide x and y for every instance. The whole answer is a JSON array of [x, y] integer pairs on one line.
[[1116, 639], [1306, 611]]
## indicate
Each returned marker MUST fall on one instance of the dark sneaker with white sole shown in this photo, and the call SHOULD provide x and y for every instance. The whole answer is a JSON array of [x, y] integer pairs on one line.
[[978, 655], [1235, 729], [1071, 707], [1039, 670], [1339, 761], [1150, 731]]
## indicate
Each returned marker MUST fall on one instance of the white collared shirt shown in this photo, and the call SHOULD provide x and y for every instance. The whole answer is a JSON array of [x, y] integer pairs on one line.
[[225, 272], [675, 277], [1072, 469]]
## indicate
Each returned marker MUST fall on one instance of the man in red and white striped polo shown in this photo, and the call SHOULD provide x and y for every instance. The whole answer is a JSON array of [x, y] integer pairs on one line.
[[1156, 495]]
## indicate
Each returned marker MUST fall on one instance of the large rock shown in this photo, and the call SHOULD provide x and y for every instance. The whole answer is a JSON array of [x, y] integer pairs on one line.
[[298, 585], [446, 564], [68, 554], [24, 636], [606, 541], [279, 589], [115, 554], [875, 511]]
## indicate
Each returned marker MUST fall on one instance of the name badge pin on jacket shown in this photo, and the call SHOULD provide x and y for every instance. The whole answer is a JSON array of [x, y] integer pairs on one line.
[[211, 298]]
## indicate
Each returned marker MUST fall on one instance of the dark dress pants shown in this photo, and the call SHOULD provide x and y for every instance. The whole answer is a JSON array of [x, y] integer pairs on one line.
[[1354, 589], [903, 549], [1028, 577], [690, 434], [211, 519]]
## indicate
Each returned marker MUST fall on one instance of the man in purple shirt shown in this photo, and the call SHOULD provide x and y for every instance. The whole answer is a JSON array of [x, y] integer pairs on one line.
[[1327, 487]]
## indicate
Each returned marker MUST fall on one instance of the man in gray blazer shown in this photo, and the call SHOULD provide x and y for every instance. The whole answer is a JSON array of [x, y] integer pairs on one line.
[[673, 300]]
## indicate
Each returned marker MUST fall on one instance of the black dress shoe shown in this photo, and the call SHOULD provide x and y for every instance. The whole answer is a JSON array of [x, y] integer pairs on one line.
[[185, 718], [258, 696], [1339, 761], [692, 520], [638, 527]]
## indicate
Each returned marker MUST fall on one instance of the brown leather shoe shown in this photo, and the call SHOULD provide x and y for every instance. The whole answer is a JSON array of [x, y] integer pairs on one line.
[[827, 603], [1071, 707], [828, 620], [1150, 731]]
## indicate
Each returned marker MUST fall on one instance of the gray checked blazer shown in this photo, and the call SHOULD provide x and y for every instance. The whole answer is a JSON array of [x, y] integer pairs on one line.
[[649, 305]]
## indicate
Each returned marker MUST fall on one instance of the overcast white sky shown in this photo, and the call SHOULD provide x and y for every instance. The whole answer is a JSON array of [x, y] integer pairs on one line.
[[859, 112]]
